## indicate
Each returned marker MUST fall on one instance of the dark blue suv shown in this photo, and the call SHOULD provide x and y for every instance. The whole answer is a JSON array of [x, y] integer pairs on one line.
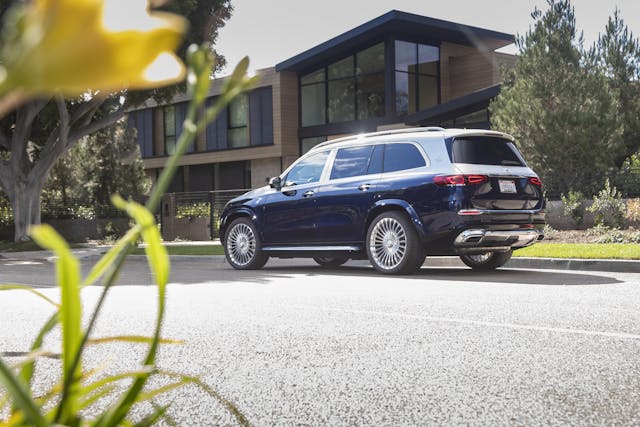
[[393, 197]]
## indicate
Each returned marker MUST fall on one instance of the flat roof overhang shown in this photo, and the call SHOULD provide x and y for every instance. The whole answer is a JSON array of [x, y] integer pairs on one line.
[[400, 25], [454, 108]]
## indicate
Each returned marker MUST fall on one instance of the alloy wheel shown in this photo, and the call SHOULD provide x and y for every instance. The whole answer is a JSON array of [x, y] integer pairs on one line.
[[241, 244], [388, 243]]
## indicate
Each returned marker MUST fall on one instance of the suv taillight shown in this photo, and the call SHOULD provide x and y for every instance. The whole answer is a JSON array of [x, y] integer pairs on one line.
[[460, 179], [535, 181]]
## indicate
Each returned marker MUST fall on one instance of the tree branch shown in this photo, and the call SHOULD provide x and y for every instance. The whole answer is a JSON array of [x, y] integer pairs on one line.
[[87, 108], [56, 143], [96, 125], [25, 116], [4, 141]]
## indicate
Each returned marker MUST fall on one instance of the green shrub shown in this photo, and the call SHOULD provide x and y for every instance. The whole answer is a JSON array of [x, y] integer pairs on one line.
[[573, 207], [632, 212], [608, 207], [193, 210]]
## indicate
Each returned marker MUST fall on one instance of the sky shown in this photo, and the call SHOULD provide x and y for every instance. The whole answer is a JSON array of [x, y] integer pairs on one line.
[[271, 31]]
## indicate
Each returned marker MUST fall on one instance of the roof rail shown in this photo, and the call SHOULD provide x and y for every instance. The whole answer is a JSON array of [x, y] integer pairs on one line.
[[380, 133]]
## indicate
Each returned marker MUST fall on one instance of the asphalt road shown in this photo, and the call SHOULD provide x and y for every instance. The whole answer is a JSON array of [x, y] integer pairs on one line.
[[294, 344]]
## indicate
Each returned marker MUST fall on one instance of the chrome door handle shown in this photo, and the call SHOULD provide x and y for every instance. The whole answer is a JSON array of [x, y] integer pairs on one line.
[[364, 187], [309, 193]]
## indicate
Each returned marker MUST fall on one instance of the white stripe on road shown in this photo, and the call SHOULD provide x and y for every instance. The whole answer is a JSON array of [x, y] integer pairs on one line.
[[620, 335]]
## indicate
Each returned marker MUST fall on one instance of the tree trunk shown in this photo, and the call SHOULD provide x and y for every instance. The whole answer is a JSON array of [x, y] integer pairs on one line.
[[23, 177], [26, 210]]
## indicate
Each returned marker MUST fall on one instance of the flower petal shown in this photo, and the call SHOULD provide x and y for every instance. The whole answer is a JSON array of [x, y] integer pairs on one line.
[[72, 46]]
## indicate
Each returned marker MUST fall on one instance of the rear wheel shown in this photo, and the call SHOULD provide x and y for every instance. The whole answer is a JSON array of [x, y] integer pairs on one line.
[[487, 260], [330, 261], [242, 246], [393, 246]]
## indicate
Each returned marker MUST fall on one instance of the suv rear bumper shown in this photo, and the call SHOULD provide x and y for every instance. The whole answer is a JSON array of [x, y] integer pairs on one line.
[[476, 239]]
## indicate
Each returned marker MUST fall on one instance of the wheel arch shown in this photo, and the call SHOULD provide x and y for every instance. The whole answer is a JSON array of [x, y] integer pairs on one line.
[[397, 205], [242, 212]]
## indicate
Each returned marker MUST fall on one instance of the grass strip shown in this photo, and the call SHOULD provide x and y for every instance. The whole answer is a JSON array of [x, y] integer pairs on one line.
[[627, 251]]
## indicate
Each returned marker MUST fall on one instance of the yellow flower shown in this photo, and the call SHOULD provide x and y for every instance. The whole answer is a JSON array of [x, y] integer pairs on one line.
[[71, 46]]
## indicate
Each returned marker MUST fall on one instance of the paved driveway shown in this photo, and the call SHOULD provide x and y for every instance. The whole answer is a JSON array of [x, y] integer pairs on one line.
[[293, 344]]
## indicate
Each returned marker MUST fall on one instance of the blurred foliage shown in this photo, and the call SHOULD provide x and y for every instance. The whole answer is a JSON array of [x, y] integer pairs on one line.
[[575, 112]]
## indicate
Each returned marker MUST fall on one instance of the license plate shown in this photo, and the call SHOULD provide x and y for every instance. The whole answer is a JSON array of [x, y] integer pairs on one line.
[[507, 186]]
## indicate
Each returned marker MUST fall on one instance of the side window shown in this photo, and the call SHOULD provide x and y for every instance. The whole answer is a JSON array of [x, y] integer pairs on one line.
[[375, 164], [307, 170], [351, 162], [399, 157]]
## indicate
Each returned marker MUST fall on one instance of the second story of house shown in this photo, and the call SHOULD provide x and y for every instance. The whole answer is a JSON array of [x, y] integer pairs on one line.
[[398, 70]]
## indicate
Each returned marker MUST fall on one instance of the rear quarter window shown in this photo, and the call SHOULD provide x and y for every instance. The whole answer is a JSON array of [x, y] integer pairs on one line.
[[398, 157], [484, 150]]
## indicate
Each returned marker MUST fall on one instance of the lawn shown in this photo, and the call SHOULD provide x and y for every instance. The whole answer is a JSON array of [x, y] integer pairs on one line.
[[581, 251], [627, 251]]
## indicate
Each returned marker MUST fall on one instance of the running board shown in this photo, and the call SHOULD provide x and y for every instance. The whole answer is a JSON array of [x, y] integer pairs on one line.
[[311, 248]]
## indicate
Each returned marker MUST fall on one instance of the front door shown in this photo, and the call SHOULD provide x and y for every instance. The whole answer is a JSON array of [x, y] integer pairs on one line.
[[289, 216]]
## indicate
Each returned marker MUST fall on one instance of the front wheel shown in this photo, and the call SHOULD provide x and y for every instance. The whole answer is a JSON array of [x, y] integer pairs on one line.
[[242, 246], [487, 260], [393, 246]]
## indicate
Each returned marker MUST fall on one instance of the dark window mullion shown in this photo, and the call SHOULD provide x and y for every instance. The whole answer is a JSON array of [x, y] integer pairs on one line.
[[355, 86], [326, 95]]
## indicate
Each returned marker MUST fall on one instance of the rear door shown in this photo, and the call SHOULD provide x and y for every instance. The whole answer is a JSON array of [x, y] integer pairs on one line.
[[344, 201], [511, 184]]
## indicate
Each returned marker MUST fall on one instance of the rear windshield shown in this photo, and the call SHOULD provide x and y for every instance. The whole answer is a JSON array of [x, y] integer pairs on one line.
[[485, 150]]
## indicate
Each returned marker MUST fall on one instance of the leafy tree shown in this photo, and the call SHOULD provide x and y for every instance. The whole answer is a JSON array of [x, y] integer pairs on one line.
[[104, 163], [559, 107], [39, 132], [616, 55]]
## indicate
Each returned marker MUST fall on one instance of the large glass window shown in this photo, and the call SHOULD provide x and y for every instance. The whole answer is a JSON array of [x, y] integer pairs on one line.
[[169, 113], [417, 76], [307, 144], [238, 132], [313, 93], [341, 100], [349, 89]]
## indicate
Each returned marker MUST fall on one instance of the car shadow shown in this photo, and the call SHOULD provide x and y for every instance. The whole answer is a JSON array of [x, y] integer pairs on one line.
[[458, 274]]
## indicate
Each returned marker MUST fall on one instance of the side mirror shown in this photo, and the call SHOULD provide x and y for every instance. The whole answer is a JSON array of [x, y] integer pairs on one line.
[[275, 182]]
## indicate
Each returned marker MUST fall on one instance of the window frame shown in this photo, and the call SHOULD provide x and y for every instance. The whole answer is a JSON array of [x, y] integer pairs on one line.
[[231, 127], [415, 76], [167, 136], [354, 77]]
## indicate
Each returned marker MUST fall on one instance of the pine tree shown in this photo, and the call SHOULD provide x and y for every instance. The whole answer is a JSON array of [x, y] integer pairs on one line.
[[559, 109]]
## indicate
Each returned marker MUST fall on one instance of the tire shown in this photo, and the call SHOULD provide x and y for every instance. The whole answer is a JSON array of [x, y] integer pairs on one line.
[[330, 261], [242, 246], [487, 261], [393, 246]]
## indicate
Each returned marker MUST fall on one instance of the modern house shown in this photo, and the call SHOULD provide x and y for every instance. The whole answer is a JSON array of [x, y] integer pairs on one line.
[[397, 70]]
